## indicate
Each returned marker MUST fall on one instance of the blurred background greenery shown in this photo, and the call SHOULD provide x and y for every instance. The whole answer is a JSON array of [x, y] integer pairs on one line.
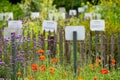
[[109, 9]]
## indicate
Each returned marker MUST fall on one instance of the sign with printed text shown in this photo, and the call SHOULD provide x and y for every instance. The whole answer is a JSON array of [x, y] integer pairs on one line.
[[72, 12], [97, 25], [70, 29], [15, 24], [81, 9], [8, 31], [35, 14], [49, 26]]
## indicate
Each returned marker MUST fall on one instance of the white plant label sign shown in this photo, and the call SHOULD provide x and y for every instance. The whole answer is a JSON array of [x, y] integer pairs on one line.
[[8, 31], [72, 12], [63, 15], [97, 8], [35, 14], [49, 26], [56, 16], [1, 16], [8, 15], [51, 14], [97, 25], [70, 29], [98, 16], [62, 9], [81, 9], [88, 16], [85, 6], [15, 24]]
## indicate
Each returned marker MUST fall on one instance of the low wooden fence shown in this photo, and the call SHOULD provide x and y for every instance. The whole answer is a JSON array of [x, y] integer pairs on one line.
[[96, 45]]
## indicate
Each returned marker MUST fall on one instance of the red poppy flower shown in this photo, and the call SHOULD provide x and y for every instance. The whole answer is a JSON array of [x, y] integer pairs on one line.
[[54, 60], [42, 57], [113, 61], [43, 68], [97, 60], [34, 67], [40, 51], [95, 78], [52, 72], [19, 73], [65, 74], [104, 71], [51, 69]]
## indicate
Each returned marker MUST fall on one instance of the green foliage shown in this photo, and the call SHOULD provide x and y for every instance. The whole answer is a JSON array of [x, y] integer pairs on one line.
[[69, 4], [110, 12]]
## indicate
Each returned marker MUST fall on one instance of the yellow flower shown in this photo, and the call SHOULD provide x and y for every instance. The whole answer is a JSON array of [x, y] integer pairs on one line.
[[19, 73], [65, 74], [31, 78], [90, 65], [80, 79], [51, 69], [88, 2], [96, 65]]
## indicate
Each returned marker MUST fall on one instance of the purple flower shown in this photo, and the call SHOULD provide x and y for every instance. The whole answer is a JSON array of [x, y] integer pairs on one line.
[[0, 49], [2, 63], [1, 78], [28, 39], [13, 35], [18, 36], [5, 39], [34, 47]]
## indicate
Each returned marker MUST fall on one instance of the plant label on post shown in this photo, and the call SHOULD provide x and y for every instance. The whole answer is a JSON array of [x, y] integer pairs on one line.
[[88, 16], [8, 16], [51, 14], [97, 8], [62, 9], [75, 33], [85, 6], [63, 15], [15, 24], [18, 32], [98, 16], [56, 16], [72, 12], [81, 9], [97, 25], [1, 16], [35, 15], [49, 25], [80, 32]]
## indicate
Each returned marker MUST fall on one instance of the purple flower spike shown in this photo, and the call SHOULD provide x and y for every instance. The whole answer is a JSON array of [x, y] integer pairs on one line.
[[5, 39], [13, 35], [1, 78], [0, 49], [2, 63], [28, 40], [19, 36]]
